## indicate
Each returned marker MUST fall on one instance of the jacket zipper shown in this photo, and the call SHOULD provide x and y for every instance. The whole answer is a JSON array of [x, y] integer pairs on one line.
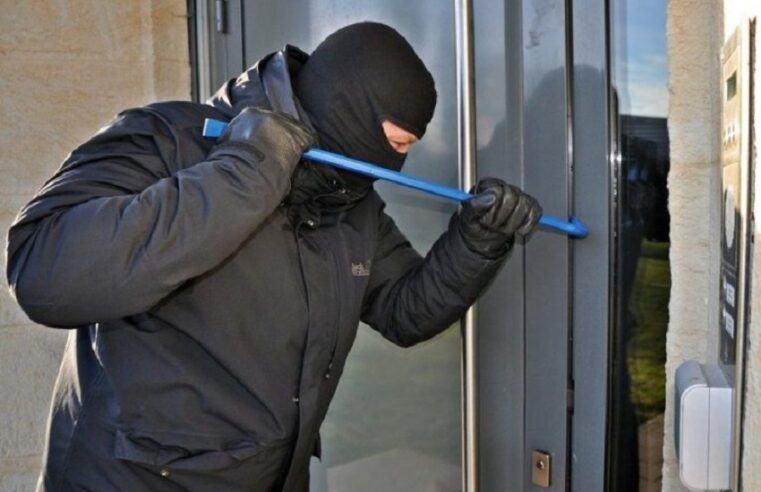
[[297, 234], [297, 237], [337, 280]]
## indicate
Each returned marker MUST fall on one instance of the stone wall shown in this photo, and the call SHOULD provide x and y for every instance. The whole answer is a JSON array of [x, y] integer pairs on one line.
[[66, 68], [694, 189], [697, 30]]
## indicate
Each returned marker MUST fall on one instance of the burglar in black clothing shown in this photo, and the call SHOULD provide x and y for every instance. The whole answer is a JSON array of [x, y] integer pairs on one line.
[[200, 278]]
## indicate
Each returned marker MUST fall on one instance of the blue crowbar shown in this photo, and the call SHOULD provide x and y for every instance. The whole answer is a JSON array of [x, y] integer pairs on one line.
[[573, 227]]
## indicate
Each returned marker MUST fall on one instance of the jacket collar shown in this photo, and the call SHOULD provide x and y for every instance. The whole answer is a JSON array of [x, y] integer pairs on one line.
[[266, 84], [316, 189]]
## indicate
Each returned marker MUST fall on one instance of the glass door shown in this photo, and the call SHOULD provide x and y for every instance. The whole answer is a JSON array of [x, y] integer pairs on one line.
[[638, 346], [395, 422], [543, 123]]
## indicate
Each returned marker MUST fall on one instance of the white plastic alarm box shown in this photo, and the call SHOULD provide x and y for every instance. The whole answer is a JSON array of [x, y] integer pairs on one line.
[[703, 426]]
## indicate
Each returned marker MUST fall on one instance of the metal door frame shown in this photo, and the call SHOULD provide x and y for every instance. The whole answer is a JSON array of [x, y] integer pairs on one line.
[[216, 38], [544, 345], [547, 340], [595, 185]]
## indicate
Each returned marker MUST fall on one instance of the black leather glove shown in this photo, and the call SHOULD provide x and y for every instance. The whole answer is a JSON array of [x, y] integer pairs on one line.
[[490, 221], [267, 135]]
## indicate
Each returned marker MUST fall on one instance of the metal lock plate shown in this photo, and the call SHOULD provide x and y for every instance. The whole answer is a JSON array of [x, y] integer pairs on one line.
[[540, 468]]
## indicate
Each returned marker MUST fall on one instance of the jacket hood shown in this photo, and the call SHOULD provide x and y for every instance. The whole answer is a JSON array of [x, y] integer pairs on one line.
[[358, 77], [267, 84]]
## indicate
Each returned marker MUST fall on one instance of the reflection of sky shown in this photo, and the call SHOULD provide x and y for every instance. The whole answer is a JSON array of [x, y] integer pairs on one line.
[[428, 26], [640, 64], [489, 33]]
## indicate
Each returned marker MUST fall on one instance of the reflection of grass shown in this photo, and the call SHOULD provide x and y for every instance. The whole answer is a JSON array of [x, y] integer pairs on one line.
[[392, 398], [647, 348]]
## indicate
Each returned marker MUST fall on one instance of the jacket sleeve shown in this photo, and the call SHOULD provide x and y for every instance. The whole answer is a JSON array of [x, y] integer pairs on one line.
[[411, 299], [116, 230]]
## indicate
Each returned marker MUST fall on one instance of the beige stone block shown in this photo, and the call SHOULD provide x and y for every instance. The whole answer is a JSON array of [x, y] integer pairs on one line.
[[171, 80], [694, 101], [62, 82], [691, 268], [19, 474], [10, 312], [170, 33], [10, 205], [694, 40], [645, 486], [751, 464], [651, 450], [30, 358], [114, 30], [171, 70], [68, 67], [47, 109], [751, 470], [18, 481]]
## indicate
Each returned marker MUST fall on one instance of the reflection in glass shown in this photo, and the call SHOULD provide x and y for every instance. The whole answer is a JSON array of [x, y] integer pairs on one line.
[[394, 423], [640, 74]]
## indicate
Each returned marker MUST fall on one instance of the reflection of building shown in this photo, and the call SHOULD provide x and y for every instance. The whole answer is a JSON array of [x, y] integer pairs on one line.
[[645, 146], [638, 392], [653, 130]]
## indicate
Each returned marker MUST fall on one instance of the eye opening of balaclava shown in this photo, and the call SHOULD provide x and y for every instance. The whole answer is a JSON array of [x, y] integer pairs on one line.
[[355, 79]]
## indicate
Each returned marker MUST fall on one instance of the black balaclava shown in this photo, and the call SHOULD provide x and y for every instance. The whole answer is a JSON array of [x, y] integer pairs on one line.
[[357, 77]]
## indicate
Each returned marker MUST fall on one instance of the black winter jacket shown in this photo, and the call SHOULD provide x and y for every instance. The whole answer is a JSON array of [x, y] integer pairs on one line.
[[210, 319]]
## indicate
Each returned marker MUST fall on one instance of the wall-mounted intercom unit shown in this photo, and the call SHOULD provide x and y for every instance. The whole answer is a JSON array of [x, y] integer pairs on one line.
[[736, 176], [738, 59]]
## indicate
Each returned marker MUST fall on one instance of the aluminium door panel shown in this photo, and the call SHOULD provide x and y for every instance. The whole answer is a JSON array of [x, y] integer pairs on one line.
[[395, 409], [538, 82]]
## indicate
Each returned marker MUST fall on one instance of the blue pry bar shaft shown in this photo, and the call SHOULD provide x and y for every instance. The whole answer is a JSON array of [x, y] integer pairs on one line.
[[573, 227]]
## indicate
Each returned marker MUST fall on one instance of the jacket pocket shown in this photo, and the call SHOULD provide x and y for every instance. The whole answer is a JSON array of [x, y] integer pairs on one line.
[[198, 453], [195, 462], [183, 452]]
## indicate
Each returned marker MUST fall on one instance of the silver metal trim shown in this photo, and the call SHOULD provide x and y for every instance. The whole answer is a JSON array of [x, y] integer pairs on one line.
[[614, 169], [466, 146], [203, 53], [569, 67], [744, 274]]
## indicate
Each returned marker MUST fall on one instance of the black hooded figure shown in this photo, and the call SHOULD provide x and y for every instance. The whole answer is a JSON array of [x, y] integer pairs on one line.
[[358, 77], [212, 289]]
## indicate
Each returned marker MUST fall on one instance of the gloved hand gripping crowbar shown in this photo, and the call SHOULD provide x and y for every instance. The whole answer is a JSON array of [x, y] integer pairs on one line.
[[573, 227]]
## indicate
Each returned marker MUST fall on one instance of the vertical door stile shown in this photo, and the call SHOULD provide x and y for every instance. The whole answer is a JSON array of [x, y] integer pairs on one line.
[[466, 144], [546, 160]]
